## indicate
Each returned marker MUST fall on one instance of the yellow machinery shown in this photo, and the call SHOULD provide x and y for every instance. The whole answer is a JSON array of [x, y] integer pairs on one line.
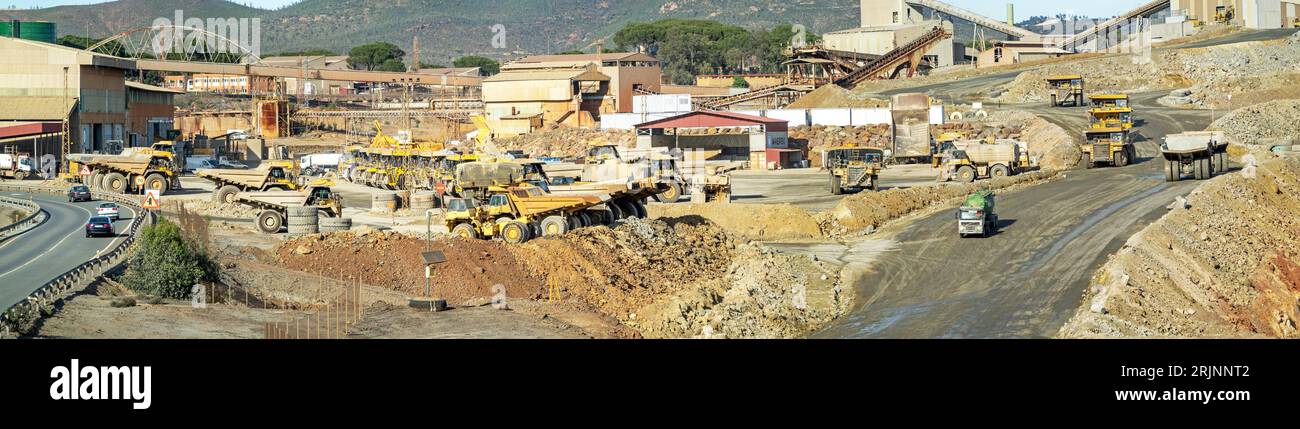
[[394, 163], [1111, 117], [853, 168], [1108, 145], [501, 204], [967, 161], [1224, 14], [943, 143], [1066, 90], [132, 171]]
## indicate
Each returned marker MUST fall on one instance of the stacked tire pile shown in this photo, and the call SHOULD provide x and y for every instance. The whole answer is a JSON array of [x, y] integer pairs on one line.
[[383, 202], [335, 224], [424, 201], [304, 221]]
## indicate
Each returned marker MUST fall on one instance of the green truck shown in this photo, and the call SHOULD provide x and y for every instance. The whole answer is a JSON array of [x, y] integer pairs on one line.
[[977, 215]]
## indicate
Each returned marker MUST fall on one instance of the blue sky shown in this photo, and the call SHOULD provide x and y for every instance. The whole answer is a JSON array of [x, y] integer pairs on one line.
[[992, 8]]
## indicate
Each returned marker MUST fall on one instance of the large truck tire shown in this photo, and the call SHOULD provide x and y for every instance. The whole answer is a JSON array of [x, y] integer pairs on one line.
[[836, 187], [672, 195], [966, 174], [999, 171], [334, 224], [1121, 158], [225, 194], [464, 230], [554, 226], [1173, 171], [1222, 165], [641, 212], [514, 232], [115, 182], [615, 213], [1200, 167], [156, 182], [627, 209], [269, 221]]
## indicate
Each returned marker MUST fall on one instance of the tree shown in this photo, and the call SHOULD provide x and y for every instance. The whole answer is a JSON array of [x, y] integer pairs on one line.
[[487, 66], [739, 82], [392, 65], [166, 264], [425, 65], [371, 56]]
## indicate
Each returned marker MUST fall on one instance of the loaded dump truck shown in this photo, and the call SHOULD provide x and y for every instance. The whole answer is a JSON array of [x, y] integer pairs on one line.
[[270, 175], [1200, 153], [274, 205], [967, 161], [853, 168], [132, 171], [507, 207], [609, 163], [977, 215]]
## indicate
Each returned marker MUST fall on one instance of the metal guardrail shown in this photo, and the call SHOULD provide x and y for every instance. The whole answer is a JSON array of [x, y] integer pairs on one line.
[[35, 217], [31, 308]]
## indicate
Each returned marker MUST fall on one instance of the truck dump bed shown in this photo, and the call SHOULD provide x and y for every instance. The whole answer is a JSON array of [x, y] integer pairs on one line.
[[250, 177], [982, 200], [979, 152], [277, 198], [1193, 141]]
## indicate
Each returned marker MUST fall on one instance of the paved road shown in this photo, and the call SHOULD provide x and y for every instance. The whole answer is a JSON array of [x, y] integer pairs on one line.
[[1241, 37], [1026, 280], [56, 246]]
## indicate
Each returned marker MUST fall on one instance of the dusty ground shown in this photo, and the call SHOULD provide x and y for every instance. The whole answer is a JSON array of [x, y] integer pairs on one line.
[[8, 215], [1267, 124], [1224, 265]]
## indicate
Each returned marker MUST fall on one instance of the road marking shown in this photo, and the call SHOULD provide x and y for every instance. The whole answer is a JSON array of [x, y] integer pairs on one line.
[[134, 216], [51, 249]]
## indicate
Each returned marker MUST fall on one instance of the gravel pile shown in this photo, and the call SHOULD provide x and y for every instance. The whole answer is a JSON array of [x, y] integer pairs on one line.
[[1271, 123]]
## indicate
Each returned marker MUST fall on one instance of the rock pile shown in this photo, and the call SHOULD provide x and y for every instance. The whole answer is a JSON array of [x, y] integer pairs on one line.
[[1271, 123]]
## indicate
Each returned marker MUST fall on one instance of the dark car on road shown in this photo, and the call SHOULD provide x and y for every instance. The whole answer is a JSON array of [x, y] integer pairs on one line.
[[99, 226], [78, 193]]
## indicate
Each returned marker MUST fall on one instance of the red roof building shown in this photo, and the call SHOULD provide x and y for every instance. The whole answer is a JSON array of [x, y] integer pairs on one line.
[[724, 136]]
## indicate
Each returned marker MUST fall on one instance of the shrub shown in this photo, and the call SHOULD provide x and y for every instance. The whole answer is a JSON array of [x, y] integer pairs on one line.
[[166, 264]]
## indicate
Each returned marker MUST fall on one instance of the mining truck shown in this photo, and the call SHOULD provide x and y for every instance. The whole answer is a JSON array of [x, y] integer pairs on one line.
[[269, 176], [853, 168], [1065, 90], [1201, 153], [977, 215], [132, 171], [273, 206], [968, 161], [611, 163], [505, 206], [1107, 145]]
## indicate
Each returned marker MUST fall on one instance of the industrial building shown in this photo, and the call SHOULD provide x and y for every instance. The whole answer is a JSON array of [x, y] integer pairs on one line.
[[1015, 52], [567, 89], [889, 24], [1260, 14], [46, 84], [219, 83], [724, 136], [519, 101]]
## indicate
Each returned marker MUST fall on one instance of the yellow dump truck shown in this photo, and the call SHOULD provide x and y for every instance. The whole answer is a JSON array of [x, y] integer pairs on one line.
[[1200, 153], [970, 160], [274, 205], [132, 171], [853, 168], [1107, 145], [270, 175], [1065, 90], [1109, 100], [607, 162]]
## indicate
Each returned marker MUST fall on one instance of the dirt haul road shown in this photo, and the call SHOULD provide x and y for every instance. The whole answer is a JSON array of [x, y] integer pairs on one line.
[[1025, 281]]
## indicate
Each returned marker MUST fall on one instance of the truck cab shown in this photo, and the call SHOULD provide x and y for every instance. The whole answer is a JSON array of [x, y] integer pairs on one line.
[[977, 216], [1065, 90], [17, 166], [1111, 117]]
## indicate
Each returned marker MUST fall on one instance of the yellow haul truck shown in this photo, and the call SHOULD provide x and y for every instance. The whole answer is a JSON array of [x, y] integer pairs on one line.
[[1065, 90], [270, 175], [607, 162], [1109, 100], [1107, 145], [273, 206], [132, 171], [504, 207], [853, 168]]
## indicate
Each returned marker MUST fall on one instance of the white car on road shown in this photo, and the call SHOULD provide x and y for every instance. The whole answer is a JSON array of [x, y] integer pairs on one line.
[[109, 210]]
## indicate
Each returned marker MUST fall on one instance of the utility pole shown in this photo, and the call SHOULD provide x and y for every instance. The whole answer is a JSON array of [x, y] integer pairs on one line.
[[66, 144]]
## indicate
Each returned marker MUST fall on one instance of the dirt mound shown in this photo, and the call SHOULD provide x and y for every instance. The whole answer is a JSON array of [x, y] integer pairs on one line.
[[834, 96], [751, 221], [206, 207], [1224, 265], [1266, 124], [391, 260], [565, 142], [614, 272], [1050, 145]]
